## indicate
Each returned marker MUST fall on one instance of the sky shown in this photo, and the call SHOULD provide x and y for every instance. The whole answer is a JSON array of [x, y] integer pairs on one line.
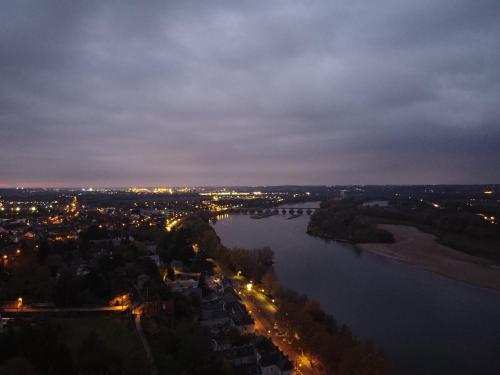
[[159, 93]]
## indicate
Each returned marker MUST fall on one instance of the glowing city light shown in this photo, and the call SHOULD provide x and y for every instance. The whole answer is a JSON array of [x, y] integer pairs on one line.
[[249, 286]]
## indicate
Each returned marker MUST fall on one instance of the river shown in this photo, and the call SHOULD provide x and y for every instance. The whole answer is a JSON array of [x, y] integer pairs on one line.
[[425, 323]]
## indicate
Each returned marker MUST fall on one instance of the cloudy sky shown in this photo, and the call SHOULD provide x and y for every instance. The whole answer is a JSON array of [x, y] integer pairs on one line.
[[117, 93]]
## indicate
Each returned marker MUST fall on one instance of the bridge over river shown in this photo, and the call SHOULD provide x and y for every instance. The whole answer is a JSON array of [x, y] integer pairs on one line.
[[273, 210]]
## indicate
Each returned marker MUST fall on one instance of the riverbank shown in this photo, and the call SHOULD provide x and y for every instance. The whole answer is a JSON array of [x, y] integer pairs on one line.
[[421, 249], [384, 300]]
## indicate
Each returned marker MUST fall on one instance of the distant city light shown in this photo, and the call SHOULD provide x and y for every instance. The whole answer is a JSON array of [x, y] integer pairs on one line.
[[196, 248]]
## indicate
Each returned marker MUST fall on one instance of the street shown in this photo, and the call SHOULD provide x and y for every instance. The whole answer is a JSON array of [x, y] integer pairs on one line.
[[263, 312]]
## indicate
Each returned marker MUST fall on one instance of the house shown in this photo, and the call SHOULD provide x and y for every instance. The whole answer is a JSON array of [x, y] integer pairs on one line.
[[271, 360], [240, 317], [275, 363], [214, 283], [185, 285], [214, 315], [230, 296], [240, 355]]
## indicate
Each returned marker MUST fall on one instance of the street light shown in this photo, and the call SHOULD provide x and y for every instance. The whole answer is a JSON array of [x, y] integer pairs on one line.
[[19, 303]]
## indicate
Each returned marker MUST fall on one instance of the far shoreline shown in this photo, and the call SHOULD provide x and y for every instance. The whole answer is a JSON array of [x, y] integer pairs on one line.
[[421, 250]]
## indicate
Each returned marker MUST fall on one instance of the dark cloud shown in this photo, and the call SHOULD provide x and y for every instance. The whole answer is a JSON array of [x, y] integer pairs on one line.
[[253, 92]]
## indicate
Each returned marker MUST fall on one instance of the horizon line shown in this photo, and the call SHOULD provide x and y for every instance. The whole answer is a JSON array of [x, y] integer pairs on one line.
[[91, 188]]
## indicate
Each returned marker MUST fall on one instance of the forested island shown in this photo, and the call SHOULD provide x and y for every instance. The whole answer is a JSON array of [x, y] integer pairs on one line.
[[342, 220], [441, 238], [451, 224]]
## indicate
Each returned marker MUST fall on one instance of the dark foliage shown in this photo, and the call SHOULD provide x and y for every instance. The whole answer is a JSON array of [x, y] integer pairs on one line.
[[334, 344], [346, 222]]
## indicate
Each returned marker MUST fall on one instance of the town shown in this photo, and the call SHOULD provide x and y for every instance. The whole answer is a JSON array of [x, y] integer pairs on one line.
[[129, 259], [137, 281]]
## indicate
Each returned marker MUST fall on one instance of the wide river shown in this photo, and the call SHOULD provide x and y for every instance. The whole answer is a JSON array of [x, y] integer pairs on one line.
[[425, 323]]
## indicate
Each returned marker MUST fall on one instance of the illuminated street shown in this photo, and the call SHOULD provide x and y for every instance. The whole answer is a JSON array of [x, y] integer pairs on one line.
[[262, 311]]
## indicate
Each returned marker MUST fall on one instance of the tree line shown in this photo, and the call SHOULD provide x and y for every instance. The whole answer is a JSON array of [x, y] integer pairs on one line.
[[333, 344], [339, 221], [339, 351]]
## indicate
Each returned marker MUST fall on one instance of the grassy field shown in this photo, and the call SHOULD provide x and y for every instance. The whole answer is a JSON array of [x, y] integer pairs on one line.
[[118, 334]]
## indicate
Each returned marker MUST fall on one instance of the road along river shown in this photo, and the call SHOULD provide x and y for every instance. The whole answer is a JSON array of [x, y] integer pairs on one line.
[[425, 323]]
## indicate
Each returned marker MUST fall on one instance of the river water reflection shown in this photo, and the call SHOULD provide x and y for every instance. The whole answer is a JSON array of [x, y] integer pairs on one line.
[[427, 324]]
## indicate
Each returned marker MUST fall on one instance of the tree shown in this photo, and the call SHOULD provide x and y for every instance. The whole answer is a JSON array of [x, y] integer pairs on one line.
[[43, 251], [67, 291], [270, 282], [209, 241]]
